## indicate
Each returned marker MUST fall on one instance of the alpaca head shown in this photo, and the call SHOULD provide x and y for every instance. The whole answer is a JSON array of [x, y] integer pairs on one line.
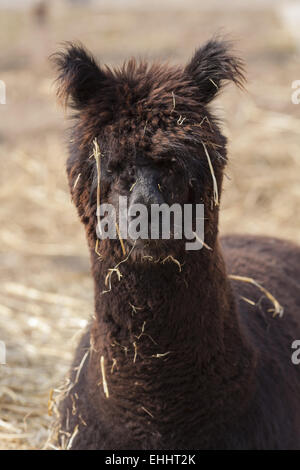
[[158, 141]]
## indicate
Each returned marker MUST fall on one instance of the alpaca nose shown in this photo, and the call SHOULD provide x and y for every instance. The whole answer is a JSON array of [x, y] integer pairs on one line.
[[145, 193], [146, 190]]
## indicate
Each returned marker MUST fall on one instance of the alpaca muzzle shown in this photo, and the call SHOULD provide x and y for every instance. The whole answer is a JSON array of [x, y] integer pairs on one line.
[[144, 194]]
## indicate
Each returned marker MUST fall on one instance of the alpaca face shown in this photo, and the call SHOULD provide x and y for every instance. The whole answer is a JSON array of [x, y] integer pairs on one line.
[[143, 177], [158, 141]]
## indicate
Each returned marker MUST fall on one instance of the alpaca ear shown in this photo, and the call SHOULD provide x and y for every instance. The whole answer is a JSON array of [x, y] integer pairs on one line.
[[80, 79], [212, 65]]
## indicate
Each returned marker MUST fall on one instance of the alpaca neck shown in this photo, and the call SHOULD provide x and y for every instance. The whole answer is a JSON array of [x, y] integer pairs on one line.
[[167, 335]]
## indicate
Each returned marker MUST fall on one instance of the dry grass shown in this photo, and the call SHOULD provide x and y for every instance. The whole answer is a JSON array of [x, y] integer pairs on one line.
[[97, 156], [116, 270], [215, 185], [104, 381], [173, 260], [277, 308], [46, 288]]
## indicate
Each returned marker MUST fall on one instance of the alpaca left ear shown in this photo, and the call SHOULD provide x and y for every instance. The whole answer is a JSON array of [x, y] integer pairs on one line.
[[80, 79], [212, 65]]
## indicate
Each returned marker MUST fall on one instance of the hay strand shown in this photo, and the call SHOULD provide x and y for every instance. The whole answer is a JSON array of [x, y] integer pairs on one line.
[[215, 185], [75, 432], [147, 411], [201, 241], [121, 240], [158, 356], [81, 366], [50, 403], [249, 301], [181, 120], [107, 281], [174, 260], [105, 387], [132, 186], [214, 83], [76, 181], [278, 309], [97, 155], [135, 352], [174, 101], [114, 364], [97, 250]]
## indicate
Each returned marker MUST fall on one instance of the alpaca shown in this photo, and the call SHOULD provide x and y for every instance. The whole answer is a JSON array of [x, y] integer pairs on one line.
[[178, 355]]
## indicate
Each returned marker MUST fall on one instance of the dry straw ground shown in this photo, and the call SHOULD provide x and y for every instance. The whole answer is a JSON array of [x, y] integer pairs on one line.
[[45, 290]]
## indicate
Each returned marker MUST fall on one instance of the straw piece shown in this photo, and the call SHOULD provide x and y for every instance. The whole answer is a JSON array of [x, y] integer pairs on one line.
[[107, 281], [114, 364], [125, 348], [135, 309], [135, 352], [147, 411], [50, 403], [145, 127], [201, 241], [174, 260], [121, 240], [81, 366], [150, 258], [76, 181], [181, 120], [75, 432], [278, 309], [199, 124], [174, 102], [142, 333], [214, 83], [97, 250], [97, 155], [161, 355], [215, 185], [249, 301], [105, 387], [132, 186]]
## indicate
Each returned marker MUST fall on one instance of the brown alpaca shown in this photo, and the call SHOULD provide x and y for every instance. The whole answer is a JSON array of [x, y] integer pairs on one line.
[[174, 357]]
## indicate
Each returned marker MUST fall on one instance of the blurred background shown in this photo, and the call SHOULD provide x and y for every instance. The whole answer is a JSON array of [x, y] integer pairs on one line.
[[46, 291]]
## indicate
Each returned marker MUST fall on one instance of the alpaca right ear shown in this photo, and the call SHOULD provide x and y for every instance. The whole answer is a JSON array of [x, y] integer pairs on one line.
[[80, 78], [213, 65]]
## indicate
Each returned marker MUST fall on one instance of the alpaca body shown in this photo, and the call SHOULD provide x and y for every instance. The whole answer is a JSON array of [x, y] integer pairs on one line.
[[177, 356], [227, 382]]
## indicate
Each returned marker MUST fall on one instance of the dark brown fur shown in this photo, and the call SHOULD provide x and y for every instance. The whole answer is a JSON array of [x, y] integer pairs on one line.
[[189, 364]]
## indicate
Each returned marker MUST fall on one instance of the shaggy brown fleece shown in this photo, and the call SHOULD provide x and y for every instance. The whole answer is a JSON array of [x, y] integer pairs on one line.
[[175, 357]]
